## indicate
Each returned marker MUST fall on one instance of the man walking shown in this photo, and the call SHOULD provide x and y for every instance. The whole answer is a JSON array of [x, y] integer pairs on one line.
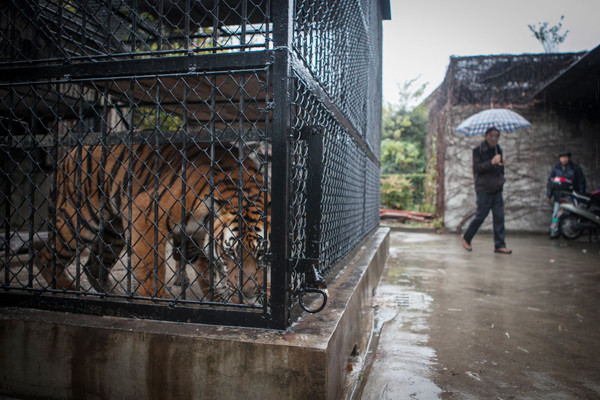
[[573, 173], [488, 171]]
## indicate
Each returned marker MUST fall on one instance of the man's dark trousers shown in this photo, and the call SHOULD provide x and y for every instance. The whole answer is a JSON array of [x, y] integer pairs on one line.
[[485, 203]]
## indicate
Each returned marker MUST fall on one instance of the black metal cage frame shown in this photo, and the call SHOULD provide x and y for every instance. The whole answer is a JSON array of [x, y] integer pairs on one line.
[[279, 100]]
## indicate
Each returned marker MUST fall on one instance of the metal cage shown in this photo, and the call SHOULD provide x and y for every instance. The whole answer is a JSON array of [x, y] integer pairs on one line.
[[195, 161]]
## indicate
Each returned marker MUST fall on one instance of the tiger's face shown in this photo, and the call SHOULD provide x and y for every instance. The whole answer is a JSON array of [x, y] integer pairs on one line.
[[237, 250]]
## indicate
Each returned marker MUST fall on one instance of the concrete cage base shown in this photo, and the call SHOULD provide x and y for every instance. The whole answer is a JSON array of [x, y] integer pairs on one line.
[[55, 355]]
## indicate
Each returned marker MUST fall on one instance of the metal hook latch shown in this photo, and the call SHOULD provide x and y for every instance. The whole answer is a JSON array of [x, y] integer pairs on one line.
[[312, 290], [317, 286]]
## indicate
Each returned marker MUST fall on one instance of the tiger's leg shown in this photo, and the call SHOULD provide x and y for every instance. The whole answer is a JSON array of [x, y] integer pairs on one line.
[[104, 255], [53, 262], [175, 263], [99, 264], [148, 244], [202, 270]]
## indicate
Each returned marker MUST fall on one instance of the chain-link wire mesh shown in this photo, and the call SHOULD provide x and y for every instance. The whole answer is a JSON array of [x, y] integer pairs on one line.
[[136, 143], [138, 187], [372, 195], [340, 41], [58, 31], [348, 193]]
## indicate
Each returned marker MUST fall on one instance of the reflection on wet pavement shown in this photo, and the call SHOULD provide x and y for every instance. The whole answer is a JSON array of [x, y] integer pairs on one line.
[[456, 325]]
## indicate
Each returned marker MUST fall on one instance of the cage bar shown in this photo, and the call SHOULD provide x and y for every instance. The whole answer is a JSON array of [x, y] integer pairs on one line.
[[193, 161]]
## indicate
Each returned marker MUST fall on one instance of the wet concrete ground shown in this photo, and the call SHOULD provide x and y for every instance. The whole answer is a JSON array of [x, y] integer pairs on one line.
[[479, 325]]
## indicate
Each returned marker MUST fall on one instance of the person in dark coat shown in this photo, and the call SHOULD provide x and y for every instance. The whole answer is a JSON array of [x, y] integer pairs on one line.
[[488, 171], [569, 170]]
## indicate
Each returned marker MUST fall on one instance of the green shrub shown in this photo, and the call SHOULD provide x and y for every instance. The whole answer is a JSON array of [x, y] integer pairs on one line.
[[396, 192], [403, 191]]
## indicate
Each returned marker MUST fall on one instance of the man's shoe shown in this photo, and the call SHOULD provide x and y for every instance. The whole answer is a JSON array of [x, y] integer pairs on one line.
[[467, 245], [502, 250]]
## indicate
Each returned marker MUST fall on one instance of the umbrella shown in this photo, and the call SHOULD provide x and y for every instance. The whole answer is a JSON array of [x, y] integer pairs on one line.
[[499, 118]]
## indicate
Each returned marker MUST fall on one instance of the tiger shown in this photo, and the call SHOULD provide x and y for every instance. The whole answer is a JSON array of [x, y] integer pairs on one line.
[[107, 197]]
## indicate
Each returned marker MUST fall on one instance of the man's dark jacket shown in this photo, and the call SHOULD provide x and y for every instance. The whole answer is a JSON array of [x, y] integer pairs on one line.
[[572, 172], [488, 178]]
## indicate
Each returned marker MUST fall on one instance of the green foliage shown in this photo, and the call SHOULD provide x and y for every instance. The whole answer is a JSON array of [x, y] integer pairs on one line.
[[550, 38], [403, 150], [402, 191], [401, 156], [430, 186], [398, 123], [403, 122], [404, 135], [396, 192], [146, 119], [409, 94], [394, 121]]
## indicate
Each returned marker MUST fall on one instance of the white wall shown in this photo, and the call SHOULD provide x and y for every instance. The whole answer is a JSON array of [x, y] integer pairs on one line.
[[530, 154]]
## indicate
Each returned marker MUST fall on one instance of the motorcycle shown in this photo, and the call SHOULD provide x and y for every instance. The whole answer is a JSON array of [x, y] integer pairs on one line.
[[583, 212]]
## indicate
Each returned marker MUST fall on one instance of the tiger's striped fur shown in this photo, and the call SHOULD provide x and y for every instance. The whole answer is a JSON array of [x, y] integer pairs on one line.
[[105, 199]]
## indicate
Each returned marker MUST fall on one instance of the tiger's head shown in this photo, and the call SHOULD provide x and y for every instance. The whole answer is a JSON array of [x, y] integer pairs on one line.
[[230, 264]]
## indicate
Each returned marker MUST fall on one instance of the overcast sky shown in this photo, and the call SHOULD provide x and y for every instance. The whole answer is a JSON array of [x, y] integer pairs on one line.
[[423, 34]]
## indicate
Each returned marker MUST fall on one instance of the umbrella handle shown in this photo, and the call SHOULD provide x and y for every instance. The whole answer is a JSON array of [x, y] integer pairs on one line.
[[501, 157]]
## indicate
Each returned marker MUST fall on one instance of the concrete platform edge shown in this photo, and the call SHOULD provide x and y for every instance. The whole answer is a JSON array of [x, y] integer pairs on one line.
[[57, 355]]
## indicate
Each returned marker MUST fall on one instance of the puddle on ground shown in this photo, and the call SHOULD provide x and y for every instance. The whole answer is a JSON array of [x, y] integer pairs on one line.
[[479, 337], [399, 362]]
